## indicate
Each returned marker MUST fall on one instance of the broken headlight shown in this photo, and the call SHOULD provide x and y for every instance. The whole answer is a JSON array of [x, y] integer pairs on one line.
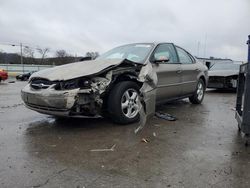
[[73, 84]]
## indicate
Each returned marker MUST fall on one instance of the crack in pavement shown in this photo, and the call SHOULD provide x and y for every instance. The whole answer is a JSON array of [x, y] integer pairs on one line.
[[47, 181]]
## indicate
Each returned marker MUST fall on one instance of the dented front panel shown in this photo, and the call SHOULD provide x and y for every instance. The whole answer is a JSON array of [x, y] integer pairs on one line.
[[53, 97]]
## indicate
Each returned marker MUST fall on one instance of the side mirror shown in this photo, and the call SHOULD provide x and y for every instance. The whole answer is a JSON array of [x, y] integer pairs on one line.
[[208, 64], [161, 59]]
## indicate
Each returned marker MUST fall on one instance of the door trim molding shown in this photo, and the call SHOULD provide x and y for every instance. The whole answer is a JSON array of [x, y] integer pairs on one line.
[[177, 84]]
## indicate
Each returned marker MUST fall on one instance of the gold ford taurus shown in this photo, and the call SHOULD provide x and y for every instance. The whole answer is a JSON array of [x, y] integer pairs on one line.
[[119, 83]]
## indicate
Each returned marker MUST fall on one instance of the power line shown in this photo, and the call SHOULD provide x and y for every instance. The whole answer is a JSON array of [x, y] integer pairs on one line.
[[26, 45]]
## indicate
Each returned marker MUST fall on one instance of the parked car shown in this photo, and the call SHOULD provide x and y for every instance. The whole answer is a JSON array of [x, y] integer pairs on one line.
[[117, 82], [3, 75], [25, 76], [223, 75]]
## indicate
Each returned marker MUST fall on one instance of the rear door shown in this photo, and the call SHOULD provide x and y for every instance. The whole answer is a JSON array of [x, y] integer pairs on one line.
[[168, 73], [189, 72]]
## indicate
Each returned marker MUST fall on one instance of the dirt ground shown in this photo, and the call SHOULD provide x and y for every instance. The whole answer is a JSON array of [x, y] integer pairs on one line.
[[201, 149]]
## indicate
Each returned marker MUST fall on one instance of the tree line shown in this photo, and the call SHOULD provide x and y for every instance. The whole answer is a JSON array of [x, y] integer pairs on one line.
[[60, 57]]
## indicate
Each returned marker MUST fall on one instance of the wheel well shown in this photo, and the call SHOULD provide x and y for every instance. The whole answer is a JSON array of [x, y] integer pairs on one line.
[[127, 77], [118, 79], [203, 79]]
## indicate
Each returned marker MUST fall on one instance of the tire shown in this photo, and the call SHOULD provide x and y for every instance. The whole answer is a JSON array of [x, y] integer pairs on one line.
[[198, 96], [123, 103]]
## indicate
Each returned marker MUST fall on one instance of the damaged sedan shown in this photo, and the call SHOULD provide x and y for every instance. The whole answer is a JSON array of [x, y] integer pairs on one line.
[[118, 84], [223, 75]]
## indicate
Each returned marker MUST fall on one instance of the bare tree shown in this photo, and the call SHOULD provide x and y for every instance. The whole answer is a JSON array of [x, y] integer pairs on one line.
[[61, 53], [43, 52], [29, 54], [62, 57], [93, 55]]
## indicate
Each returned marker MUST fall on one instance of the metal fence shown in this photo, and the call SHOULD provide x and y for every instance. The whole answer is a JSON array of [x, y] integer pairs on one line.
[[19, 68], [242, 113]]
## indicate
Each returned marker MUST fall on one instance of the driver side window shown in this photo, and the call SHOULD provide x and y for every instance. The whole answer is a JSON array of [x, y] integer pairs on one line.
[[164, 51]]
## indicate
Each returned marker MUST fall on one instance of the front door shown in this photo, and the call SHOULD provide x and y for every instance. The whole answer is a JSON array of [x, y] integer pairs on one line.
[[168, 73]]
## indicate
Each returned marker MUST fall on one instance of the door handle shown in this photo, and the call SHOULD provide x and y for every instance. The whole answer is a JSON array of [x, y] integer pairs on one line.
[[197, 70], [178, 71]]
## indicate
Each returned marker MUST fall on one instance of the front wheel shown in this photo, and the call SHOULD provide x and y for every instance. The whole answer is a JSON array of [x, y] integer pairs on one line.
[[123, 102], [198, 96]]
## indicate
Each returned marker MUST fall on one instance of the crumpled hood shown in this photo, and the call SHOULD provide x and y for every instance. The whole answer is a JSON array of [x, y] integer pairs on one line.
[[77, 69], [223, 73]]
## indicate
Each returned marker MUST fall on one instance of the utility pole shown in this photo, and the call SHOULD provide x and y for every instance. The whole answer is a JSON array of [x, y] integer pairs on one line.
[[21, 47], [248, 42], [205, 46], [198, 49]]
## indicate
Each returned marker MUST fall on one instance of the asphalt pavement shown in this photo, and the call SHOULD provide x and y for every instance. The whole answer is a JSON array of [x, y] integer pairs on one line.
[[202, 148]]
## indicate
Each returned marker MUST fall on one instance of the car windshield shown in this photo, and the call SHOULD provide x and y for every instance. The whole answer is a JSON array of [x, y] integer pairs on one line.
[[225, 66], [133, 52]]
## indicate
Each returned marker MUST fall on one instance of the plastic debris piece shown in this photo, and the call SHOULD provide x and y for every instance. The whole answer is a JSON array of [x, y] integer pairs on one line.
[[154, 134], [110, 149], [157, 125], [143, 118], [165, 116], [146, 100], [144, 140]]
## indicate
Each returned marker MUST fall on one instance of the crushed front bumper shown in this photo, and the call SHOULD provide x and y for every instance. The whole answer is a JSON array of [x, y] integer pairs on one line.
[[49, 101]]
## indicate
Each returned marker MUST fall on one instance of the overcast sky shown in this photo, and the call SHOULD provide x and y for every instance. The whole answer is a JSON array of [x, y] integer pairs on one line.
[[79, 26]]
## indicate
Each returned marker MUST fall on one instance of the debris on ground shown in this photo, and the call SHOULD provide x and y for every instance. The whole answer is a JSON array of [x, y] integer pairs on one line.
[[204, 112], [111, 149], [50, 177], [157, 125], [144, 140], [233, 109], [165, 116], [154, 134], [13, 106], [236, 153], [143, 118], [52, 146]]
